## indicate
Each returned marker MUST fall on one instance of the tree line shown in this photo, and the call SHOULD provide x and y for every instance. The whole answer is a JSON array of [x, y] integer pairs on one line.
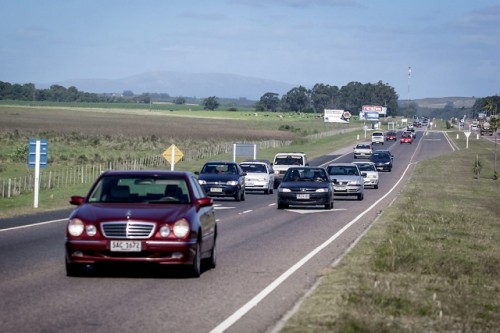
[[350, 97], [300, 99]]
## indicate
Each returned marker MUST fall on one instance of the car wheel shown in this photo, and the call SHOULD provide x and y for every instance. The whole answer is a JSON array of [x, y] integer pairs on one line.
[[243, 196], [329, 205], [282, 205], [361, 196], [195, 270], [212, 260], [375, 187], [75, 269], [237, 196]]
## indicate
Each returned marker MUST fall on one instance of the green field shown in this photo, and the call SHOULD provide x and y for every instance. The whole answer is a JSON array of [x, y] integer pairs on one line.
[[429, 263]]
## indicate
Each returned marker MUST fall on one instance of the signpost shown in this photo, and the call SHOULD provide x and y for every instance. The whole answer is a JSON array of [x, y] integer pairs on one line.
[[467, 134], [37, 158], [173, 155]]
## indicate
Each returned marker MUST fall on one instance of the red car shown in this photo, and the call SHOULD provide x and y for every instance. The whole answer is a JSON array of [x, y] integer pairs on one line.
[[406, 138], [391, 135], [158, 217]]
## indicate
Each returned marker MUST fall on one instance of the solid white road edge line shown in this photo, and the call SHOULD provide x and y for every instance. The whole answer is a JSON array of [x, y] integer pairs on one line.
[[32, 225]]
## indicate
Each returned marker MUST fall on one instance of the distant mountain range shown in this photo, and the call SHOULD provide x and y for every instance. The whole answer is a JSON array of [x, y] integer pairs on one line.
[[177, 84]]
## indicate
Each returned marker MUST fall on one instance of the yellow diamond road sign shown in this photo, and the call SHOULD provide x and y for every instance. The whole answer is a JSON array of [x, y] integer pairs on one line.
[[172, 153]]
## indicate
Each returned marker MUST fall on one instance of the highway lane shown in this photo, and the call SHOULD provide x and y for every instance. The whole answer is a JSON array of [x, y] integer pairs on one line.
[[262, 265]]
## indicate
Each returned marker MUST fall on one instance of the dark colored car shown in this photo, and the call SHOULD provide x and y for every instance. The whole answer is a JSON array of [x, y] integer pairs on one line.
[[391, 136], [382, 160], [223, 179], [305, 186], [157, 217]]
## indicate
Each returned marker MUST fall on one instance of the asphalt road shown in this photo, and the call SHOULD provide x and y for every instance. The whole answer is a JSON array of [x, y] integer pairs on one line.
[[268, 259]]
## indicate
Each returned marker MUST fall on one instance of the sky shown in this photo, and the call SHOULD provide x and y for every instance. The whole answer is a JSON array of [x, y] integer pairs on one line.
[[452, 47]]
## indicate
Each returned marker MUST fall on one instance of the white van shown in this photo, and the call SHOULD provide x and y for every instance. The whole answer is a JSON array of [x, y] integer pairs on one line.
[[378, 137], [282, 161]]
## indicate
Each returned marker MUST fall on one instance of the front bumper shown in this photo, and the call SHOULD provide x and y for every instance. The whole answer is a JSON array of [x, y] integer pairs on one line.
[[291, 198], [221, 190], [152, 251], [347, 189]]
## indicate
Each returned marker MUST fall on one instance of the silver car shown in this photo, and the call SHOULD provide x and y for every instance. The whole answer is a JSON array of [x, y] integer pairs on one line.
[[369, 168], [347, 179], [260, 176]]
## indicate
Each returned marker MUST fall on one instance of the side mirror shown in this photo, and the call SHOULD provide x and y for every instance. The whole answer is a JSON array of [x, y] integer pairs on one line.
[[364, 174], [204, 202], [76, 200]]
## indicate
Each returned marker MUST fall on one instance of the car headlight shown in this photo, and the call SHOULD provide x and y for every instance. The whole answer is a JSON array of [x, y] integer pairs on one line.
[[232, 182], [181, 228], [284, 189], [354, 182], [75, 227], [91, 230], [202, 181], [322, 190]]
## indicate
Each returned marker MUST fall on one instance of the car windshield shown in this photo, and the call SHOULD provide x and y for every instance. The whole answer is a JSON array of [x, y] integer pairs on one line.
[[305, 175], [219, 168], [288, 160], [253, 168], [363, 146], [366, 167], [341, 170], [381, 156], [145, 189]]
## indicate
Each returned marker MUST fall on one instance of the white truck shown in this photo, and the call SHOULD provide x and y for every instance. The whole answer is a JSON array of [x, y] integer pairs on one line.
[[282, 161]]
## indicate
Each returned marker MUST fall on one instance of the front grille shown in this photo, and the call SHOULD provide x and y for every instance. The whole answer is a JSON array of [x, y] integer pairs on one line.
[[128, 230]]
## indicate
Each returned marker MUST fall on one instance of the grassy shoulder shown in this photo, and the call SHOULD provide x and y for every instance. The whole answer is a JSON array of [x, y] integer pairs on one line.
[[430, 263]]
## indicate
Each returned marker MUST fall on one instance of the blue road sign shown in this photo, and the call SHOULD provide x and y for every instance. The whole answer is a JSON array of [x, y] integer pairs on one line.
[[44, 150]]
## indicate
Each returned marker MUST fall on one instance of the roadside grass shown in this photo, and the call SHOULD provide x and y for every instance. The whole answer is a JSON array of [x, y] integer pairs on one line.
[[429, 263]]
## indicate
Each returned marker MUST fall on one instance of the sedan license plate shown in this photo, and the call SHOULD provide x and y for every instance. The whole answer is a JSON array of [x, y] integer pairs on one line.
[[303, 196], [125, 246], [215, 189]]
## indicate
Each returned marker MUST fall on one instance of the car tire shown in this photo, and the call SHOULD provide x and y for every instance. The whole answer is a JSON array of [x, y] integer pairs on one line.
[[75, 269], [360, 196], [329, 205], [237, 196], [375, 186], [195, 269], [243, 196], [282, 205], [212, 260]]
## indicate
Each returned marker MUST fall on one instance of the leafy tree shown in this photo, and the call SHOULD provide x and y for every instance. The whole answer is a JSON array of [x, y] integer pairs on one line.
[[210, 103], [323, 96], [269, 102], [180, 100], [296, 100], [128, 93]]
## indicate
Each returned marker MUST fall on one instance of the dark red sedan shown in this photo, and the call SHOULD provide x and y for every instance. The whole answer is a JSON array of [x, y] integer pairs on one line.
[[391, 135], [158, 217]]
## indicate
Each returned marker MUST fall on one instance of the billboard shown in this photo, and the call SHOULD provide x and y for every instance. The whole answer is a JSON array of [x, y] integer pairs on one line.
[[374, 108], [371, 116], [337, 116]]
